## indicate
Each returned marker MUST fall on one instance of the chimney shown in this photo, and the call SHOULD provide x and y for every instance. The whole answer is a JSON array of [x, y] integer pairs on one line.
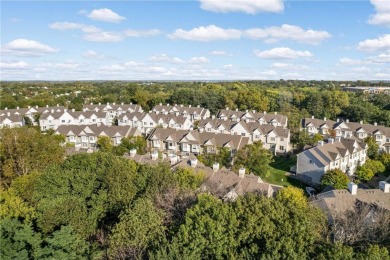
[[259, 180], [8, 114], [347, 121], [338, 139], [189, 106], [215, 167], [154, 155], [375, 124], [253, 111], [58, 105], [91, 103], [247, 111], [100, 103], [65, 109], [29, 107], [227, 108], [175, 105], [7, 108], [73, 109], [241, 172], [338, 120], [47, 105], [384, 186], [361, 122], [122, 103], [181, 105], [113, 103], [320, 143], [108, 103], [35, 107], [168, 104], [236, 109], [193, 162], [330, 140], [132, 152], [160, 104], [198, 106], [276, 113], [352, 187], [265, 112], [212, 116], [312, 117], [52, 111], [324, 118]]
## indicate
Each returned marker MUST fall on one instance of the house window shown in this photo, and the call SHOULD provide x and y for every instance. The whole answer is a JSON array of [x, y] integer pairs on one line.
[[63, 121], [208, 129], [91, 138], [93, 120], [151, 123], [272, 138], [170, 144], [257, 136], [281, 148], [145, 123], [243, 134], [281, 139], [311, 161]]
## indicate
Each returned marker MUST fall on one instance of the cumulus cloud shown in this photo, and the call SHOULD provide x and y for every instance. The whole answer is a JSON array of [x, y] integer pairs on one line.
[[105, 15], [382, 43], [220, 53], [287, 32], [103, 37], [141, 33], [13, 65], [64, 26], [282, 53], [89, 54], [198, 60], [244, 6], [24, 47], [206, 34], [382, 15]]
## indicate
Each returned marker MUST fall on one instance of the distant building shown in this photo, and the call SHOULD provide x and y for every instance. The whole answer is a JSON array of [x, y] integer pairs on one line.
[[370, 90]]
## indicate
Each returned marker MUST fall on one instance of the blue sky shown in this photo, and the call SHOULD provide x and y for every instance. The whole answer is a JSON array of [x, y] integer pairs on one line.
[[195, 40]]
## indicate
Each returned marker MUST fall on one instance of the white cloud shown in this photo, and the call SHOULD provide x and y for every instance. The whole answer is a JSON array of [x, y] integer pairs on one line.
[[63, 26], [219, 53], [228, 66], [288, 32], [198, 60], [349, 61], [24, 47], [381, 58], [165, 58], [141, 33], [89, 54], [103, 37], [382, 15], [105, 15], [282, 53], [378, 60], [13, 65], [382, 43], [245, 6], [206, 34]]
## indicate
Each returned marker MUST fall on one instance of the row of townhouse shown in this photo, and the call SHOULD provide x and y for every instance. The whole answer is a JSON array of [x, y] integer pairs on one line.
[[15, 117], [187, 142], [85, 137], [146, 122], [347, 129], [220, 182], [274, 138], [190, 112], [274, 119], [343, 154]]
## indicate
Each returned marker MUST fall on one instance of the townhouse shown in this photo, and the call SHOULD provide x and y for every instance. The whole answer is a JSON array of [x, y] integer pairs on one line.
[[274, 138], [347, 129], [11, 120], [53, 119], [192, 113], [113, 110], [186, 142], [86, 136], [274, 119], [148, 121], [343, 154]]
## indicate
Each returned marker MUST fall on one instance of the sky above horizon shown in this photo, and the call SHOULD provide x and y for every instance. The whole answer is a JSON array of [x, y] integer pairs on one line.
[[195, 40]]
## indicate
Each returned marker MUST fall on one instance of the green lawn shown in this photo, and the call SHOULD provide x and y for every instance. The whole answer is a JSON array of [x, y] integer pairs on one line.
[[279, 167]]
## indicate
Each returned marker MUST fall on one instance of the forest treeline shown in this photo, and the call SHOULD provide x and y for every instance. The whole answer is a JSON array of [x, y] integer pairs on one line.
[[296, 99], [103, 206]]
